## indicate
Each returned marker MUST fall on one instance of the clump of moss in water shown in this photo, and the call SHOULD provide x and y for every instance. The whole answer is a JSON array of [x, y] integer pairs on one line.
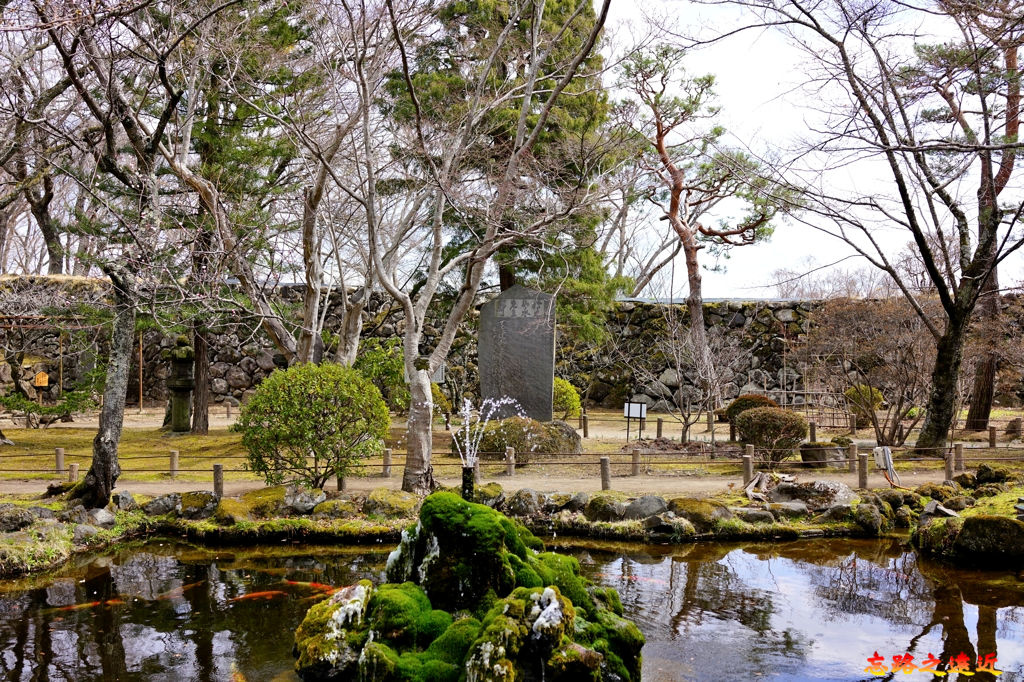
[[471, 596]]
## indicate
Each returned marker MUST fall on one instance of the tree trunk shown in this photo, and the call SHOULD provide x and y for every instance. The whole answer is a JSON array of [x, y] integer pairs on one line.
[[942, 398], [984, 388], [506, 276], [201, 392], [708, 374], [419, 474], [351, 329], [95, 490]]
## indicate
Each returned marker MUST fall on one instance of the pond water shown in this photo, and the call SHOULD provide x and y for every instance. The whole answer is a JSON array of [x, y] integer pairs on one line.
[[808, 610]]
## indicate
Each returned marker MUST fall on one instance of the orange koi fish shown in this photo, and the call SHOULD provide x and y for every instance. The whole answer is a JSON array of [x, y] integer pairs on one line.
[[113, 602], [79, 607], [313, 586], [268, 594]]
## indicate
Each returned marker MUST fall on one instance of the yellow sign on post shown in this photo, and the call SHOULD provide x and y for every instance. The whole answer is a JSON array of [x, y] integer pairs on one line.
[[41, 380]]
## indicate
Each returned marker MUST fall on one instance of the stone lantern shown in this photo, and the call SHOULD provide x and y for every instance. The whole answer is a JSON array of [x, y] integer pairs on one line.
[[180, 383]]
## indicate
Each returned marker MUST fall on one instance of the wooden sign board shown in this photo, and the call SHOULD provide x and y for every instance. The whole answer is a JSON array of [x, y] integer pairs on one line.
[[41, 379]]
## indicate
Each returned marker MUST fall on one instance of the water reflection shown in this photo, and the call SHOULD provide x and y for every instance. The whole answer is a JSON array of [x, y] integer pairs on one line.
[[795, 611], [807, 610]]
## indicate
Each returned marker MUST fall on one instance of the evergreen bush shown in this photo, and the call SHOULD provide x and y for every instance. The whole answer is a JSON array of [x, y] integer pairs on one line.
[[773, 431], [312, 423], [747, 401], [567, 399]]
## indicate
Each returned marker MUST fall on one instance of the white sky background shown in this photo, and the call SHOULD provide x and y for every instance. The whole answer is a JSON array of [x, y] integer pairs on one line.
[[758, 78]]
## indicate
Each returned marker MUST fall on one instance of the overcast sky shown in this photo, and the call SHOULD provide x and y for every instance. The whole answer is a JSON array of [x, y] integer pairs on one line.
[[758, 78]]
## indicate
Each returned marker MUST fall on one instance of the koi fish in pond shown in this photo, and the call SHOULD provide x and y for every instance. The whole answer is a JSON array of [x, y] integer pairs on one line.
[[267, 594], [321, 587], [85, 605]]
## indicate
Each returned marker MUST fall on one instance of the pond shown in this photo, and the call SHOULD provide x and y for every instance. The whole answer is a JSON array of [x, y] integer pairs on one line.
[[808, 610]]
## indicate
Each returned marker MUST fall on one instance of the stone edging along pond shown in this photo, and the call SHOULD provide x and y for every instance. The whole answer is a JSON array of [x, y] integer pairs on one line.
[[969, 521]]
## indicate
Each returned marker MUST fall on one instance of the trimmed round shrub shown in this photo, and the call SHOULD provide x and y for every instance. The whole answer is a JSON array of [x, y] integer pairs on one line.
[[747, 401], [527, 437], [312, 423], [773, 431], [567, 399], [441, 403], [864, 400]]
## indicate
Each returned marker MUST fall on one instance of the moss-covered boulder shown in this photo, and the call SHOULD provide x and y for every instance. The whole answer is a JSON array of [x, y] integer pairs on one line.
[[986, 537], [390, 504], [265, 502], [990, 489], [491, 494], [606, 506], [703, 514], [936, 492], [522, 613], [991, 474], [199, 504], [341, 508], [527, 437], [230, 511]]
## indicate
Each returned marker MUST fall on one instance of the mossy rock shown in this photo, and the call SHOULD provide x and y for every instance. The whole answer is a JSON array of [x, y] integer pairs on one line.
[[527, 437], [991, 540], [491, 495], [198, 504], [606, 506], [703, 514], [231, 511], [966, 480], [990, 474], [538, 617], [390, 504], [265, 502], [341, 508], [937, 536], [959, 502], [990, 489], [904, 517], [871, 520], [936, 492]]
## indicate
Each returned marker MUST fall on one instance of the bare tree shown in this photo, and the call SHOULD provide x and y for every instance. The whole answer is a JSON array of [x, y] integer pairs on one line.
[[928, 116]]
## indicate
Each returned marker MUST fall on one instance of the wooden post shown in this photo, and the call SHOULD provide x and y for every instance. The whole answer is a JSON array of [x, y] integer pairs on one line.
[[852, 456], [958, 457], [636, 462], [140, 372], [748, 464], [991, 436], [586, 426], [227, 413], [862, 471], [949, 466], [606, 473], [174, 463], [711, 420], [510, 462], [218, 480], [73, 472], [59, 456], [476, 471], [732, 432], [661, 426], [447, 421], [582, 417], [813, 428], [341, 483], [853, 424], [386, 469]]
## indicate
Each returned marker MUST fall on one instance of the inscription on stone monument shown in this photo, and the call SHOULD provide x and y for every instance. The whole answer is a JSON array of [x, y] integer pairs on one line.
[[517, 351]]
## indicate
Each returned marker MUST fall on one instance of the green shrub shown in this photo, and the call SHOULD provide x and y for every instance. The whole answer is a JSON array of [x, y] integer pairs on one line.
[[527, 437], [567, 399], [381, 362], [864, 400], [747, 401], [312, 422], [773, 431], [441, 403]]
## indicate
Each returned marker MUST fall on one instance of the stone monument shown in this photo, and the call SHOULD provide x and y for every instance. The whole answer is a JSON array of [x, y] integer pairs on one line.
[[180, 383], [517, 351]]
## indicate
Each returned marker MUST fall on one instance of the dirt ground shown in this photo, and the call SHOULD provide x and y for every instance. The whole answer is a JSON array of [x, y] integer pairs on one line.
[[605, 431], [664, 485]]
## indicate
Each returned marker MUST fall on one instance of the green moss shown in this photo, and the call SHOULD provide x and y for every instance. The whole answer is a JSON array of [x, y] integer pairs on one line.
[[998, 505], [564, 573], [402, 615], [264, 501], [488, 493], [387, 503], [341, 508], [230, 511]]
